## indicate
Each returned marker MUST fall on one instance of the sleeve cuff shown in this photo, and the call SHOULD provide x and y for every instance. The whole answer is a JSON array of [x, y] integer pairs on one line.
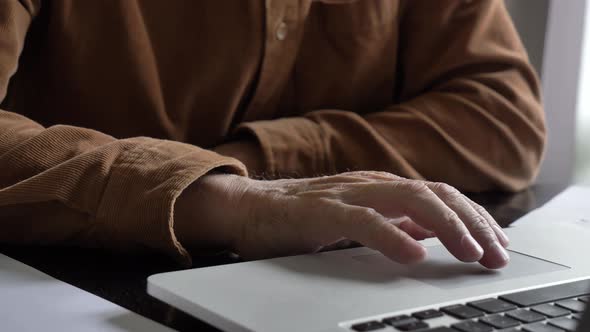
[[292, 147], [136, 211]]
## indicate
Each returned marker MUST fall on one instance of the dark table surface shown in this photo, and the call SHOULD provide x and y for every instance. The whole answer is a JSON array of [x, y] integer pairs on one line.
[[122, 279]]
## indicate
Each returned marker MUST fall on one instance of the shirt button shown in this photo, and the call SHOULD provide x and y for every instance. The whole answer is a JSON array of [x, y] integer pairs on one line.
[[282, 30]]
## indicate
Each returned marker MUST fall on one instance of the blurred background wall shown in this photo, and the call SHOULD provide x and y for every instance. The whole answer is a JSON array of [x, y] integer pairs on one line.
[[582, 166], [530, 18], [557, 37]]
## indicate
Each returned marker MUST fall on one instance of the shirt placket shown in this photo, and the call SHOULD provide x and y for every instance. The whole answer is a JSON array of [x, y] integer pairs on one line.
[[283, 30]]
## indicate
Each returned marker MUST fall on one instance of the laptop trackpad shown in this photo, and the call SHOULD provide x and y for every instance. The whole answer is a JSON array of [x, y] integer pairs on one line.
[[443, 270]]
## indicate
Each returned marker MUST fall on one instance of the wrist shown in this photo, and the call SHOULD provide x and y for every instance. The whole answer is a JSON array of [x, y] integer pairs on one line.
[[206, 213]]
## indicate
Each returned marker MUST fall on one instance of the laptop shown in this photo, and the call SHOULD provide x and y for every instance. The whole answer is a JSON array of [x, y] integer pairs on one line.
[[545, 288]]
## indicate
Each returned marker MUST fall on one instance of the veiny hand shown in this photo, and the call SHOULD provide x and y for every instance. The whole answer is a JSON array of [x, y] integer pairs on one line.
[[260, 219]]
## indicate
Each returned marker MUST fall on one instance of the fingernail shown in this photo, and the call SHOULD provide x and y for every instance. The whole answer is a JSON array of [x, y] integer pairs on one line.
[[502, 236], [474, 250], [501, 251]]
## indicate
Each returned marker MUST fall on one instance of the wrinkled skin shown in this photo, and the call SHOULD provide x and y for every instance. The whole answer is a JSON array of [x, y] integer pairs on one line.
[[260, 219]]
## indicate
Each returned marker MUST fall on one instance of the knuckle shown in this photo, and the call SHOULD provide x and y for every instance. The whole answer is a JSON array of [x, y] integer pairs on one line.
[[451, 218], [482, 230], [364, 215], [368, 213], [293, 187], [485, 214], [319, 205], [447, 190], [339, 187], [418, 187], [479, 226], [479, 209], [479, 223]]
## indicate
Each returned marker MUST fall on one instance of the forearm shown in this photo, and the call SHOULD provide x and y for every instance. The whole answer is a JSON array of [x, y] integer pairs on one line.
[[470, 142], [115, 194]]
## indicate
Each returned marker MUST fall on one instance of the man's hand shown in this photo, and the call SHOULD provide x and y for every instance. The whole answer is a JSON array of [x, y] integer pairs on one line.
[[259, 219]]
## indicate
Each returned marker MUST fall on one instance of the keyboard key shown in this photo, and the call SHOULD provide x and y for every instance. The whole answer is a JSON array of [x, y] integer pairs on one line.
[[564, 323], [396, 318], [499, 321], [584, 299], [462, 311], [550, 310], [412, 326], [399, 320], [540, 327], [548, 294], [525, 316], [572, 305], [512, 329], [368, 326], [427, 314], [472, 326], [492, 306]]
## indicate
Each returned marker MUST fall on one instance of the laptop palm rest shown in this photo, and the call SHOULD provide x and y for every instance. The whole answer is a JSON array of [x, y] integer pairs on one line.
[[326, 291], [442, 270]]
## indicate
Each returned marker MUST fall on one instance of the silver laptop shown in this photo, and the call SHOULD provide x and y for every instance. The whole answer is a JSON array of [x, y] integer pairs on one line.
[[544, 288]]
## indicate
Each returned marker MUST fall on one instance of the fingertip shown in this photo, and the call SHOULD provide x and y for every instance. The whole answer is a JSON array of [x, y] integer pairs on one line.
[[472, 251], [495, 258], [412, 254], [419, 255], [493, 264], [502, 237]]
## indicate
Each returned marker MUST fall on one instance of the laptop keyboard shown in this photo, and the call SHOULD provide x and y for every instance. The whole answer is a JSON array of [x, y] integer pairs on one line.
[[549, 309]]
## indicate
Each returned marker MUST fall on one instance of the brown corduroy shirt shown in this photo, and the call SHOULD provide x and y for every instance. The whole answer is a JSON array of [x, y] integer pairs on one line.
[[111, 108]]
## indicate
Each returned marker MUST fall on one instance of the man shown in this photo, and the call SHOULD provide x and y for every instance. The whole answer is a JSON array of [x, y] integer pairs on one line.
[[132, 125]]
